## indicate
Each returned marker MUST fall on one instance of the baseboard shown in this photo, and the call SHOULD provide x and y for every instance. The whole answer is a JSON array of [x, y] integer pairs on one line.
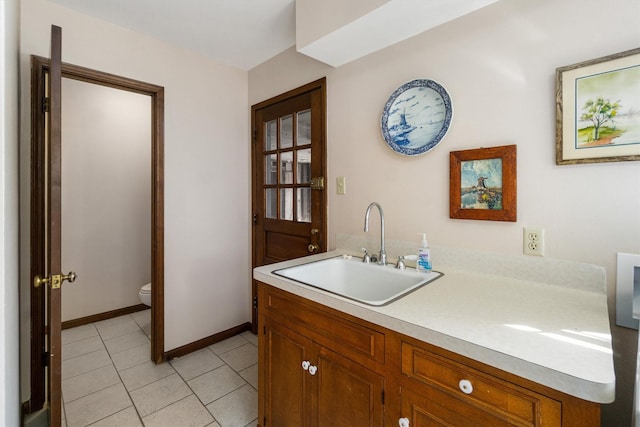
[[102, 316], [205, 342]]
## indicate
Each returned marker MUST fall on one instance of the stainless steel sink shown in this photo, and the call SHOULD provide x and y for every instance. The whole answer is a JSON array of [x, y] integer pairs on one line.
[[351, 278]]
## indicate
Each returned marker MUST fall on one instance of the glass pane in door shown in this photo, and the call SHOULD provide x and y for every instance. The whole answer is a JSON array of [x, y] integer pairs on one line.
[[303, 127], [304, 205], [286, 204], [271, 169], [286, 167], [271, 135], [286, 131], [303, 166], [271, 202]]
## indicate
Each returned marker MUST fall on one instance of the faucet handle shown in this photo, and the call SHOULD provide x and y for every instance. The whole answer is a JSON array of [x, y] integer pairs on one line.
[[366, 258], [400, 265]]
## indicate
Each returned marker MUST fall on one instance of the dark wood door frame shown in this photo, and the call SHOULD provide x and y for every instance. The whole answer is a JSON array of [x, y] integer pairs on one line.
[[39, 69]]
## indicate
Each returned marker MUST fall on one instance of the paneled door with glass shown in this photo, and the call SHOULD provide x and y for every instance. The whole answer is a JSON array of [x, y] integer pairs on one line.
[[289, 170]]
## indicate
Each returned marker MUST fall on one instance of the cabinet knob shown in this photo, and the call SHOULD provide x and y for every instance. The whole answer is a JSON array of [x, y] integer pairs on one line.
[[403, 422], [465, 386], [306, 364], [313, 369]]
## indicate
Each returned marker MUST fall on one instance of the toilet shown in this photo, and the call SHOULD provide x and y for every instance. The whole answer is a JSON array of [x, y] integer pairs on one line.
[[145, 294]]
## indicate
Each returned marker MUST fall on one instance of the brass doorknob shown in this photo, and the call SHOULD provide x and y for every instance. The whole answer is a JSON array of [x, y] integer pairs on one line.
[[313, 247], [37, 281], [55, 281], [314, 231]]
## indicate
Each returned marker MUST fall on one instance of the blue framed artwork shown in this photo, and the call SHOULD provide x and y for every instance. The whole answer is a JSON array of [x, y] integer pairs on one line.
[[416, 117]]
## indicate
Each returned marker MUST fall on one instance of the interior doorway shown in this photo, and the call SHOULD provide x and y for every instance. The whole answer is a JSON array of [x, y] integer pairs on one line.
[[40, 68]]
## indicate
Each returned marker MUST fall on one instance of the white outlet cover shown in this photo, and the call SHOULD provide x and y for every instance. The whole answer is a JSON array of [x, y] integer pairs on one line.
[[627, 264]]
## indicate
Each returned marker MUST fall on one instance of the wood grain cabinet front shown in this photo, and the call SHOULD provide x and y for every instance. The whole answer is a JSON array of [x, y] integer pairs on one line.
[[303, 383], [446, 392], [321, 367]]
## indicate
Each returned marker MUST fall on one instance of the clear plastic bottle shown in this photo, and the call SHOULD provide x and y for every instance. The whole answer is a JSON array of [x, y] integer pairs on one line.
[[423, 263]]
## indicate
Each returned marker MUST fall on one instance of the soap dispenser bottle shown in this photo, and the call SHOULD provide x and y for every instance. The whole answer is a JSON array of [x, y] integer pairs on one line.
[[423, 264]]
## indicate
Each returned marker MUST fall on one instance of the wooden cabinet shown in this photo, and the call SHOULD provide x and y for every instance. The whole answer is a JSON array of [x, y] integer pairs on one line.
[[441, 391], [303, 382], [359, 374]]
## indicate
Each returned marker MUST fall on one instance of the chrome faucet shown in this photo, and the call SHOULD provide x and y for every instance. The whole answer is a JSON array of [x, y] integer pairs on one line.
[[382, 259]]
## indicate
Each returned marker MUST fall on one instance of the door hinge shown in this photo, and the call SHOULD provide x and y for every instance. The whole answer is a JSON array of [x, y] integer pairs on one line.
[[255, 303], [255, 218], [45, 104], [45, 359]]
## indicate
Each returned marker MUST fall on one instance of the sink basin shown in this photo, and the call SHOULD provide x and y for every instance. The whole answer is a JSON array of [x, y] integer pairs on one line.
[[351, 278]]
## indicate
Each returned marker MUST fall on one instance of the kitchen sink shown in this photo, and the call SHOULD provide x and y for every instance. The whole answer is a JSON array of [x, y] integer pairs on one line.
[[349, 277]]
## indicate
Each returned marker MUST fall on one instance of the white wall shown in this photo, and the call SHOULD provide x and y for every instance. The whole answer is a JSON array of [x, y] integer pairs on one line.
[[106, 176], [9, 131], [498, 65], [207, 255]]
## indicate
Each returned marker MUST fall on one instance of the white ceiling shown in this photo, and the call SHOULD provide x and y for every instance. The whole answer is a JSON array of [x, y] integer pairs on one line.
[[245, 33], [241, 33]]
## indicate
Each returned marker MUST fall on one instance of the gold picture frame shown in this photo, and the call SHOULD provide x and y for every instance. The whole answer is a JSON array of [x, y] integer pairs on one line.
[[598, 110], [482, 184]]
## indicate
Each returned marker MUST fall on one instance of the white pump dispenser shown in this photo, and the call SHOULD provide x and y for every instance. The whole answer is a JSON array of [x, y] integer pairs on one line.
[[423, 263]]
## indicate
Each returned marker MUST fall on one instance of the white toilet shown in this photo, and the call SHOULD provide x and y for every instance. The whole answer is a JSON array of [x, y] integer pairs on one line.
[[145, 294]]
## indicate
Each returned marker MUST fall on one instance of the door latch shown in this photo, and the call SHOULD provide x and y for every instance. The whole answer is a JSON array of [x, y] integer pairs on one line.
[[317, 183]]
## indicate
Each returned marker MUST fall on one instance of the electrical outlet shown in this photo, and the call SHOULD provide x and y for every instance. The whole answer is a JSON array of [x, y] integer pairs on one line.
[[341, 185], [533, 241]]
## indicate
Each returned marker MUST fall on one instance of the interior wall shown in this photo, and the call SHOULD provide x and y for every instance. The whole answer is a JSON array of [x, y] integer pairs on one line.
[[207, 257], [9, 132], [106, 198], [498, 65]]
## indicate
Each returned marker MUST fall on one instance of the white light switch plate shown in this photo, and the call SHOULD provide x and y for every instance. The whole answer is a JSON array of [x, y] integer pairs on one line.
[[341, 185], [624, 290]]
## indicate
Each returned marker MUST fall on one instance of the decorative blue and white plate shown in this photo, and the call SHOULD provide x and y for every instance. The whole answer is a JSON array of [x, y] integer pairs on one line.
[[416, 117]]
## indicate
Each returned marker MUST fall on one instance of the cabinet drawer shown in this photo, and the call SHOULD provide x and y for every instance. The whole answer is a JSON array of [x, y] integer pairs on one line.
[[323, 325], [508, 401]]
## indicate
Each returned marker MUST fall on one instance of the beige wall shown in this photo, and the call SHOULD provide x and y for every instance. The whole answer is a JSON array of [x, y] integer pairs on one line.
[[498, 66], [207, 257], [106, 171], [9, 131]]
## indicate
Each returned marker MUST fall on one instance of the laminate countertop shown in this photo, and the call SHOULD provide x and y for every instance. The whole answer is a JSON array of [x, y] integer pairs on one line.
[[557, 335]]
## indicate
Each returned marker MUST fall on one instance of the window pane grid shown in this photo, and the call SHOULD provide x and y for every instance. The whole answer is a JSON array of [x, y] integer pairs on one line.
[[287, 167]]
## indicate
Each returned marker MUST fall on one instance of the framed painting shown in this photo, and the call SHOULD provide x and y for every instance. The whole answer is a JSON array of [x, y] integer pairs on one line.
[[598, 110], [482, 184]]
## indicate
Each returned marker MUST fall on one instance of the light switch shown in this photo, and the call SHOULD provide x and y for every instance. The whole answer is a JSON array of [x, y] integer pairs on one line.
[[341, 185]]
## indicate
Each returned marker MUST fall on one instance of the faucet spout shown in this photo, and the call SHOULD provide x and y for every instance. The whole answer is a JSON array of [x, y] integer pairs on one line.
[[382, 259]]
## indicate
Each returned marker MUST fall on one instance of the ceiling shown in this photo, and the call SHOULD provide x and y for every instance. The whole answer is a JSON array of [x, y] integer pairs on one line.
[[245, 33], [240, 33]]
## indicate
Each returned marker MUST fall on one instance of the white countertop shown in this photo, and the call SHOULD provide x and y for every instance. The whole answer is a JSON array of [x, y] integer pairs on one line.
[[555, 335]]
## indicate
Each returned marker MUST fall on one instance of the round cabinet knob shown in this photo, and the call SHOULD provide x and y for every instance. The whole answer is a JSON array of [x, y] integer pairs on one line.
[[305, 364], [313, 369], [465, 386], [403, 422]]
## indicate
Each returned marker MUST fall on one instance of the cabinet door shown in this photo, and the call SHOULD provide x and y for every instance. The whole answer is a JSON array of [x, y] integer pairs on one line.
[[430, 407], [348, 394], [286, 400]]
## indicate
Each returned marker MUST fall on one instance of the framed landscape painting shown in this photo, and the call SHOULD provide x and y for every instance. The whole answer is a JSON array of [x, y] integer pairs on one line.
[[598, 110], [482, 184]]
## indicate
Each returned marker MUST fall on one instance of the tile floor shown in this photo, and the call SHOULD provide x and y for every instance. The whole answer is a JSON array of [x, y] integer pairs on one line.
[[108, 379]]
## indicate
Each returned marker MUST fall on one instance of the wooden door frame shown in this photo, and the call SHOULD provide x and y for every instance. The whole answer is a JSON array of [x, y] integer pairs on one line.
[[321, 85], [39, 67]]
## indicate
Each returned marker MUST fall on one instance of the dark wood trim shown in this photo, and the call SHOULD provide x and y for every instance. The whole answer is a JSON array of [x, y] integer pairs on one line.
[[67, 324], [205, 342], [39, 68], [37, 236]]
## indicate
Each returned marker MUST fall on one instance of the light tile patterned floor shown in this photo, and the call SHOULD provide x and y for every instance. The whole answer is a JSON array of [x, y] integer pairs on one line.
[[108, 379]]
